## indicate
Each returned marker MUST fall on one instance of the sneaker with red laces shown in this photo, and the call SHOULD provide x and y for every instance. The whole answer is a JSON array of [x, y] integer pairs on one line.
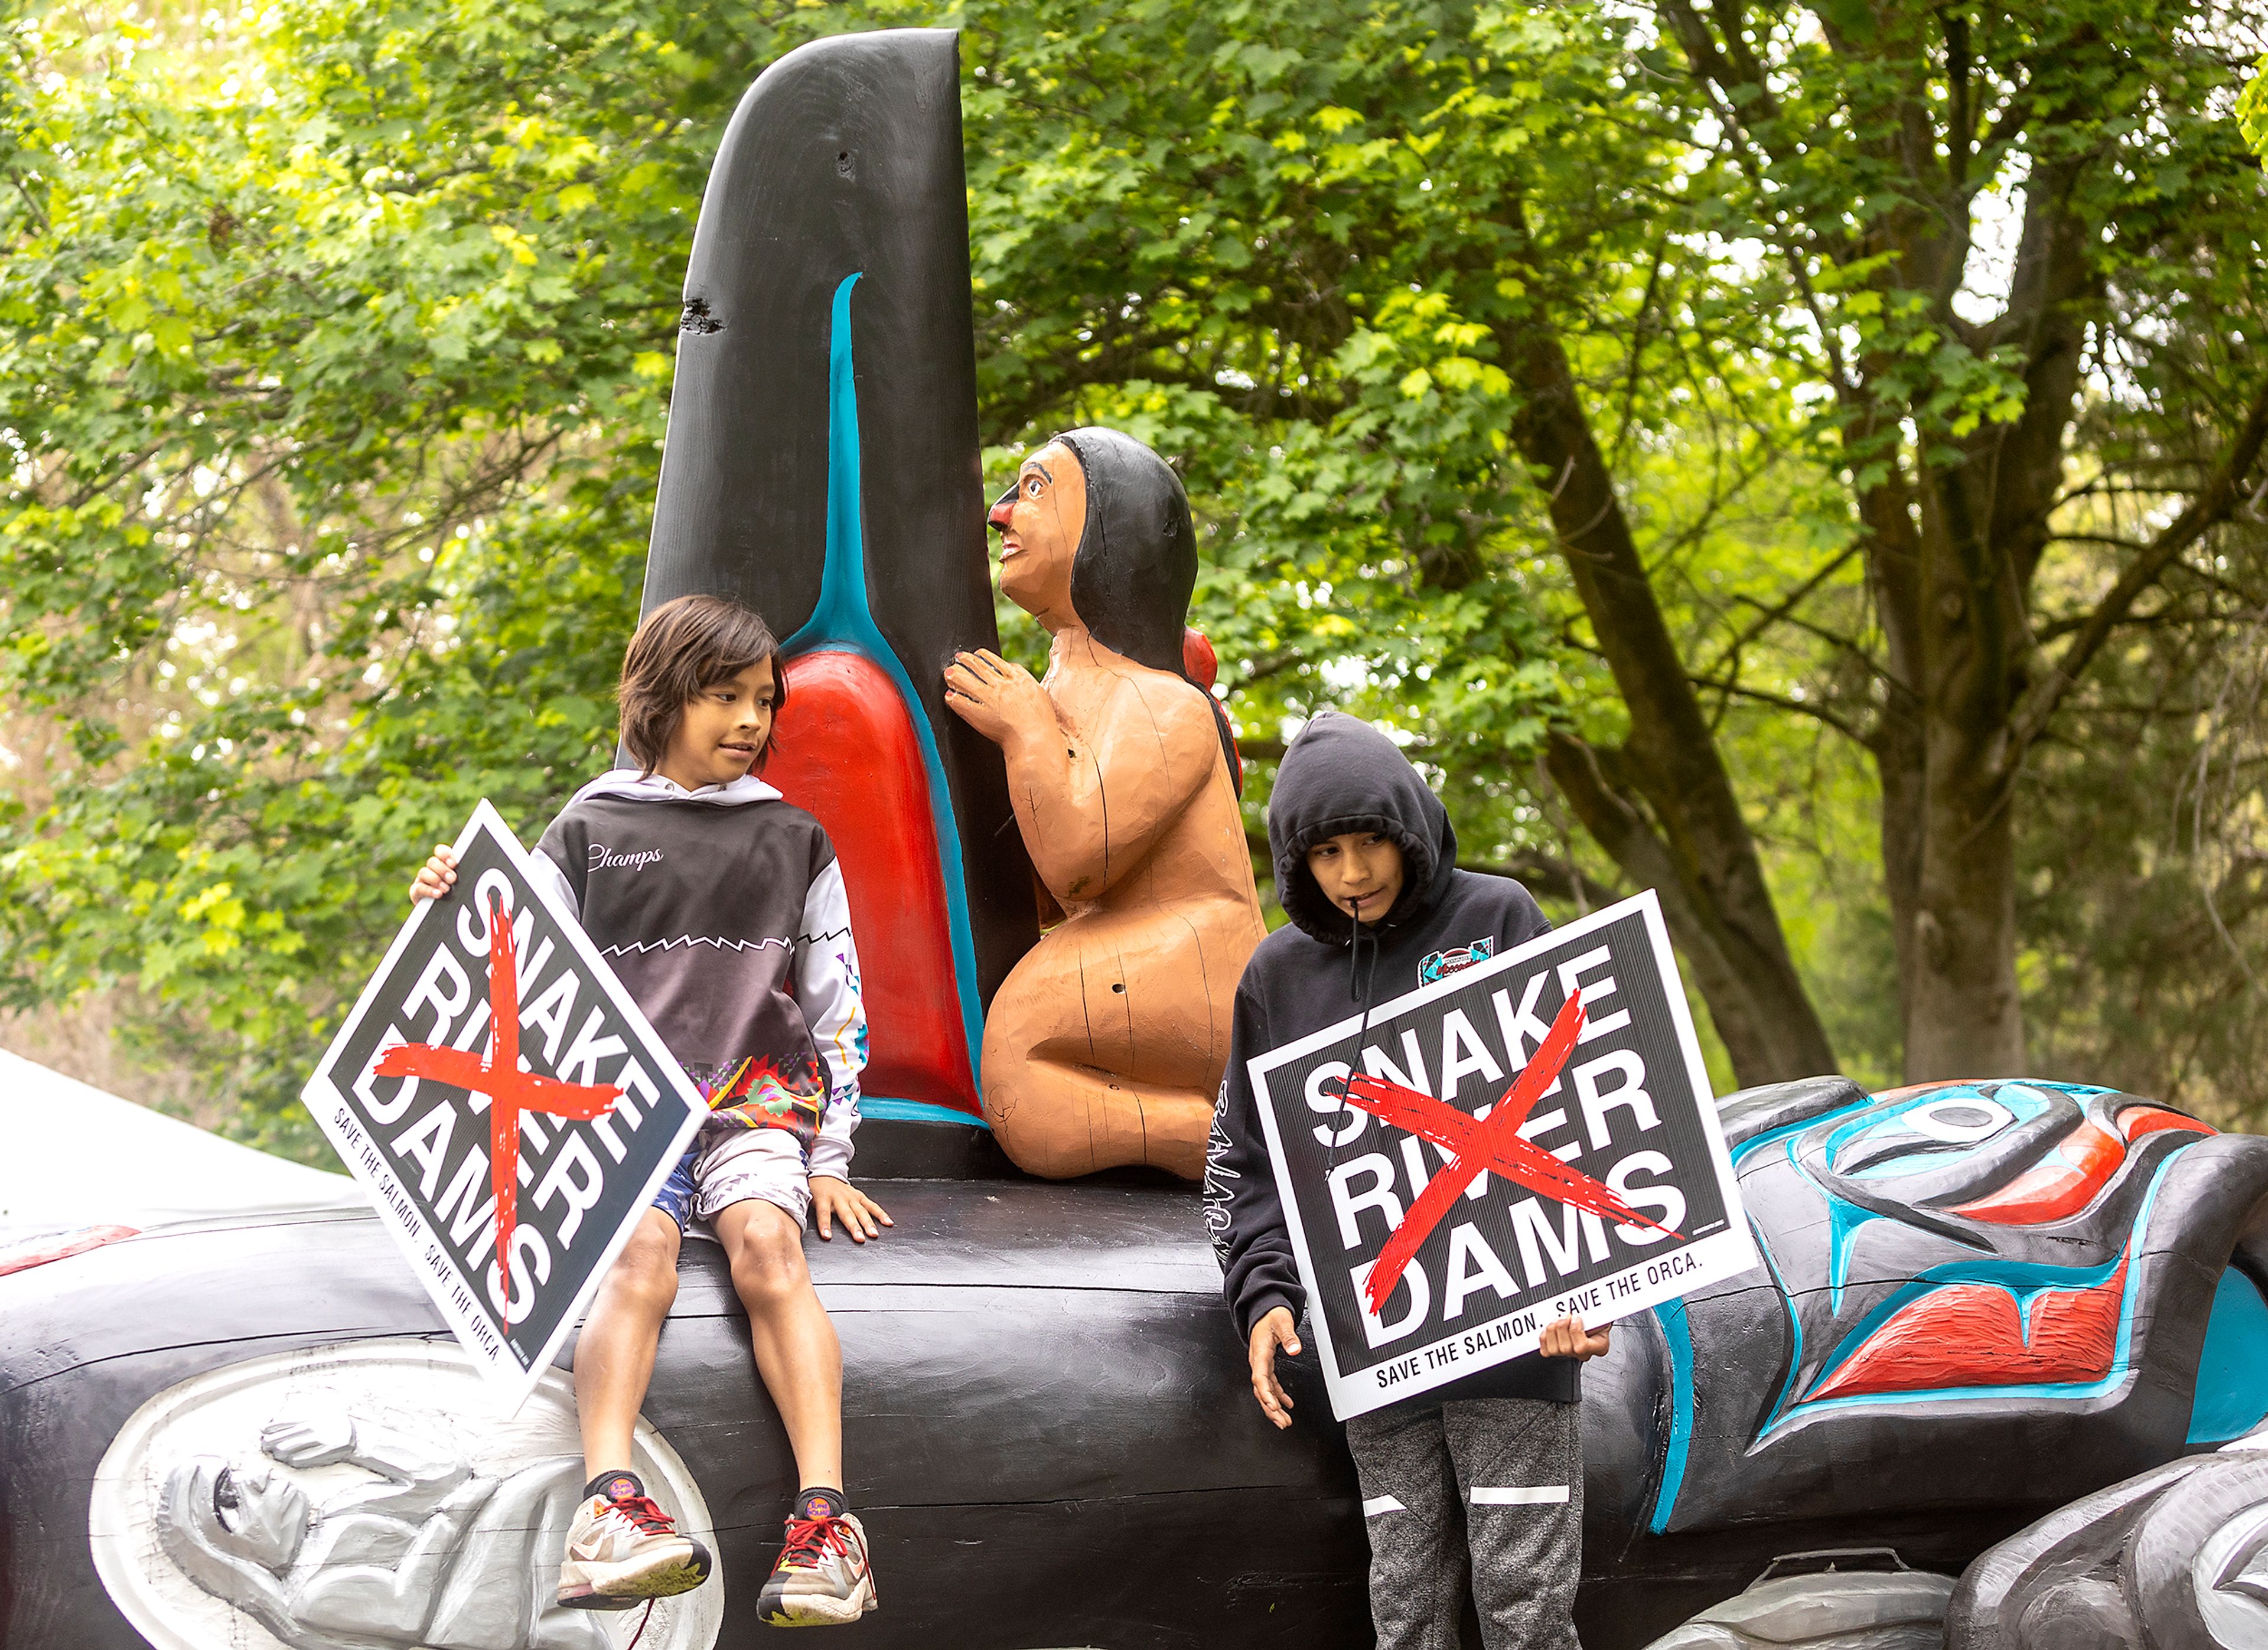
[[822, 1578], [623, 1550]]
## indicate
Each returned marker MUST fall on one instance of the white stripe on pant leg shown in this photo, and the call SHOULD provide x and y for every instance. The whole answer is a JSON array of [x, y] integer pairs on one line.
[[1378, 1504], [1546, 1495]]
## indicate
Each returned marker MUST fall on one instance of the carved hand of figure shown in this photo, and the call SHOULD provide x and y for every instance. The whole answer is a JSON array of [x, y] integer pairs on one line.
[[1000, 700], [318, 1443]]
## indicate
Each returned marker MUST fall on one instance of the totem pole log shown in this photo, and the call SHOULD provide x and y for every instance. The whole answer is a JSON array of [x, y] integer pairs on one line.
[[1981, 1302], [1106, 1044], [2176, 1557], [1056, 1441]]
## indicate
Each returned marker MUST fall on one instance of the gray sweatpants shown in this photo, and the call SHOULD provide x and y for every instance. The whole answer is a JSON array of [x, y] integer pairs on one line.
[[1500, 1479]]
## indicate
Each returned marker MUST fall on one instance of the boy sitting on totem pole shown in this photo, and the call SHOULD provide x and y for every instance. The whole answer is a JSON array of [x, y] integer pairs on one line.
[[1365, 866], [724, 913]]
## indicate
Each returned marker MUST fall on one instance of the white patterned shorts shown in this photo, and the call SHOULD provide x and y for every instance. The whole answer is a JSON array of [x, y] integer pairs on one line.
[[734, 1165]]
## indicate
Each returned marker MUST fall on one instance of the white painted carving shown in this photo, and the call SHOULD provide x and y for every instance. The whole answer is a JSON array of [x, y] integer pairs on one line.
[[369, 1496]]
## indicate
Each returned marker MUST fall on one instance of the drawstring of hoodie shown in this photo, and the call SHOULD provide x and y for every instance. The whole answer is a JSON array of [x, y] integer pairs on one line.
[[1360, 984]]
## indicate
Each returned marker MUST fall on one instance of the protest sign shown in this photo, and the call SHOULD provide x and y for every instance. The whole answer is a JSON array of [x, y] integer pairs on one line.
[[1527, 1138], [508, 1107]]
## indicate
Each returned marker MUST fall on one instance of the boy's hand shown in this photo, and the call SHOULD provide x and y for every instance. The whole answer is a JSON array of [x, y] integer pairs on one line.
[[1567, 1339], [833, 1200], [1276, 1327], [436, 877]]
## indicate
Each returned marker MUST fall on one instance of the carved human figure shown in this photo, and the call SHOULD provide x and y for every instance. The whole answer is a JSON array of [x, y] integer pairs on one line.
[[1105, 1045], [433, 1553]]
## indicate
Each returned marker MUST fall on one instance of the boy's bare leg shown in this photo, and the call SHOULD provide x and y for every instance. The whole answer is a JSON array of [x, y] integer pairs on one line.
[[797, 1352], [613, 1356]]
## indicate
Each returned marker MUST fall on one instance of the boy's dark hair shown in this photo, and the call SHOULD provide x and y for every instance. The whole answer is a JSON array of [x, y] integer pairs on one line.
[[681, 647]]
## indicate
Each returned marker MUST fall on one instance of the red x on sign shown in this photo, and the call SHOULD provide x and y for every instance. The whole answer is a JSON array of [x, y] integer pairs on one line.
[[511, 1091], [1480, 1144]]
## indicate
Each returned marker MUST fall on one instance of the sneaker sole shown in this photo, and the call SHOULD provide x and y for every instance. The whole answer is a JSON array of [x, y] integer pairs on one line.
[[595, 1600], [624, 1587], [819, 1610]]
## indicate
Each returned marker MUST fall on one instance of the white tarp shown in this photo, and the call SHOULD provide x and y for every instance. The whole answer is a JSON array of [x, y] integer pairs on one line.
[[71, 1156]]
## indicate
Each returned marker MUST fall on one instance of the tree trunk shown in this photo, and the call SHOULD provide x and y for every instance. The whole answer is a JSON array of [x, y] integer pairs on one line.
[[1954, 518], [1662, 805], [1984, 525], [1893, 552], [1964, 1015]]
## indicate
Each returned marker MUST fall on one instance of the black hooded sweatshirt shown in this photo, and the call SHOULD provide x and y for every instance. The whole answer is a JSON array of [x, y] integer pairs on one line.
[[1340, 776]]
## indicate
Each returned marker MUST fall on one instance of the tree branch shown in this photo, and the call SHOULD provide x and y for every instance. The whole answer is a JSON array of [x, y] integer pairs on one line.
[[1820, 713], [1770, 616], [2212, 505], [1536, 869]]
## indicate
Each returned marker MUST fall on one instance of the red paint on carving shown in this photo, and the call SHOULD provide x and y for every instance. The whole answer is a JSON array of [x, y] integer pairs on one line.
[[2065, 1182], [1971, 1335], [511, 1091], [847, 754], [1202, 665], [21, 1257], [1480, 1144], [2137, 1121], [1199, 663], [1883, 1096]]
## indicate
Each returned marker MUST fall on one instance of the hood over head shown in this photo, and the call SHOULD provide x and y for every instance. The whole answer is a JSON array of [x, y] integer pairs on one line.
[[1343, 775]]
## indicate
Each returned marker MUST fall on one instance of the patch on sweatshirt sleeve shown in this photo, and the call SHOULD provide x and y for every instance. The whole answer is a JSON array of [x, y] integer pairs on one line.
[[1442, 964]]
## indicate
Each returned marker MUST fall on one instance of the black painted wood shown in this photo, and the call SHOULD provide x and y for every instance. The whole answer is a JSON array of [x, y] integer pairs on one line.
[[1048, 1426], [844, 159]]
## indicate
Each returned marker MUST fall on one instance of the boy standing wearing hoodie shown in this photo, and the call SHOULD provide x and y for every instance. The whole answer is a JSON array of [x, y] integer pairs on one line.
[[1491, 1466]]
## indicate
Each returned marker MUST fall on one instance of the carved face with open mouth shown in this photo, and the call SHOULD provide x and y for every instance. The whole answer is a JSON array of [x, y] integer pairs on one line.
[[2032, 1281], [2038, 1195], [1041, 521]]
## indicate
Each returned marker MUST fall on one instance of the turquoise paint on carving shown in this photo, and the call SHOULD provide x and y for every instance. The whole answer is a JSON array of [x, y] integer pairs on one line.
[[1678, 1332], [2232, 1380], [843, 619]]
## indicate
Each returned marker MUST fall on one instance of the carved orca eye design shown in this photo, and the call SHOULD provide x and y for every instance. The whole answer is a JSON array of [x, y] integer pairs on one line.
[[1959, 1122], [225, 1497], [1929, 1130]]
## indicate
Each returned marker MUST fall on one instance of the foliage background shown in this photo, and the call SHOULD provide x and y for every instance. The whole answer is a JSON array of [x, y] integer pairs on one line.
[[335, 339]]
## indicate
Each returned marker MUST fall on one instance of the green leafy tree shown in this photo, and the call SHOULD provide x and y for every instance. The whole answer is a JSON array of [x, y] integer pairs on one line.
[[1458, 267], [1622, 404], [1339, 241], [333, 355]]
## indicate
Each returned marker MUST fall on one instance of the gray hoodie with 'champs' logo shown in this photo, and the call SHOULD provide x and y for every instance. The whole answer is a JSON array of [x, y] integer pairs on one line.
[[723, 912], [1340, 776]]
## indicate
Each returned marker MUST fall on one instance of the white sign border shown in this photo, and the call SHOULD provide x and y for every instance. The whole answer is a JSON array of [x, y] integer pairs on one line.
[[336, 1117], [1352, 1395]]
